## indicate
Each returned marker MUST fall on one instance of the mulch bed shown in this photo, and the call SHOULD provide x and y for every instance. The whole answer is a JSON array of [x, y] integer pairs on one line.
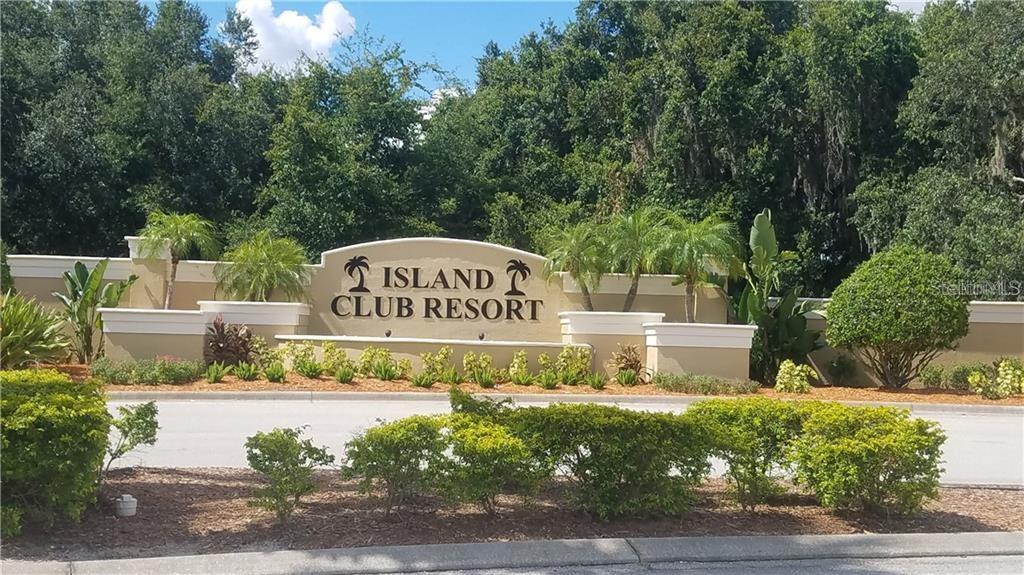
[[194, 511]]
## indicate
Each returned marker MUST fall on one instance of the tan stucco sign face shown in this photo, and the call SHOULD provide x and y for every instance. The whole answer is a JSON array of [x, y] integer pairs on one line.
[[435, 287]]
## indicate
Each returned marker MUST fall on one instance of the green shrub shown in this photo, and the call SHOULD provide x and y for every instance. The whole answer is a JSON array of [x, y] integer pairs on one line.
[[547, 379], [287, 463], [437, 363], [1008, 380], [308, 367], [216, 371], [522, 378], [335, 359], [841, 369], [450, 376], [377, 362], [627, 378], [423, 379], [874, 458], [247, 371], [10, 520], [478, 369], [386, 370], [573, 364], [519, 368], [135, 425], [487, 460], [29, 333], [274, 372], [932, 376], [793, 378], [53, 436], [399, 460], [752, 436], [345, 374], [464, 402], [957, 377], [596, 381], [892, 311], [622, 462], [703, 384], [86, 294], [159, 371]]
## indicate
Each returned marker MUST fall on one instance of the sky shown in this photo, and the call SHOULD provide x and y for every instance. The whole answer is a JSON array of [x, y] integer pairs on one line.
[[452, 34]]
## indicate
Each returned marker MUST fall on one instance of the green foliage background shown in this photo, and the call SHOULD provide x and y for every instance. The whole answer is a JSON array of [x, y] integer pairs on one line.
[[856, 124]]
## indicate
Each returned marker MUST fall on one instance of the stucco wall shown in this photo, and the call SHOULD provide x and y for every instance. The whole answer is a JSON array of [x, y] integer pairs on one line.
[[121, 346], [720, 362]]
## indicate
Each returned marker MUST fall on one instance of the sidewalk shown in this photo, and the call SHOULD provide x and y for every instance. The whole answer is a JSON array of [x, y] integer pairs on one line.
[[673, 400], [535, 554]]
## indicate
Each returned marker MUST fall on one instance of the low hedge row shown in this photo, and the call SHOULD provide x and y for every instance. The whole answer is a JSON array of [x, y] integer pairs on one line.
[[624, 462]]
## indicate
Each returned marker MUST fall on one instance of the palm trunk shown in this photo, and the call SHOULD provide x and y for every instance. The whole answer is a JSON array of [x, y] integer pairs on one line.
[[588, 303], [689, 302], [631, 294], [170, 283]]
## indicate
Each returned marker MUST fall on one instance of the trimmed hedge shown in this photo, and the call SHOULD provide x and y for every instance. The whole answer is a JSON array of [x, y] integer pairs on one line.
[[53, 439]]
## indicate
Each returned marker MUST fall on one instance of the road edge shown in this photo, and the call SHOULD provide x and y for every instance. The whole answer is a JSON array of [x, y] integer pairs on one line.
[[552, 553]]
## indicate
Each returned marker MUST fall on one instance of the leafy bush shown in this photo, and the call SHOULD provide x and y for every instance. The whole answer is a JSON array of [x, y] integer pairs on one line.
[[399, 459], [335, 359], [308, 367], [703, 384], [793, 378], [958, 375], [487, 460], [892, 311], [86, 293], [522, 378], [246, 371], [423, 379], [932, 376], [274, 372], [627, 378], [628, 358], [622, 462], [29, 333], [450, 376], [386, 370], [573, 364], [377, 362], [227, 343], [1008, 380], [547, 379], [287, 463], [216, 371], [596, 381], [345, 374], [159, 371], [478, 369], [438, 363], [871, 458], [519, 369], [135, 425], [752, 436], [10, 519], [53, 437], [841, 369]]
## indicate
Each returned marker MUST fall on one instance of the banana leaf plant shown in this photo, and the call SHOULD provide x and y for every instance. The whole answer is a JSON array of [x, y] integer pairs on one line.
[[86, 293], [781, 321]]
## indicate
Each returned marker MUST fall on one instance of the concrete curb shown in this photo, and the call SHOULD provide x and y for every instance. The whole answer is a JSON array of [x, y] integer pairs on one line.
[[680, 400], [557, 553]]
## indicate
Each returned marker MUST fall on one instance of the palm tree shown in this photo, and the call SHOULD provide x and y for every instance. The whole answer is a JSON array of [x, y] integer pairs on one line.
[[354, 265], [515, 269], [577, 251], [636, 245], [262, 265], [181, 234], [694, 248]]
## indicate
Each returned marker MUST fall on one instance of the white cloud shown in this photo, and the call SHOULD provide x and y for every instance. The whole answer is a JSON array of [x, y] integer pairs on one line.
[[286, 37]]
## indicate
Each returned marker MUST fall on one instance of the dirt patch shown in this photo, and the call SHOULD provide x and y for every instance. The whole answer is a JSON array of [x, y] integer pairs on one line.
[[295, 382], [191, 511]]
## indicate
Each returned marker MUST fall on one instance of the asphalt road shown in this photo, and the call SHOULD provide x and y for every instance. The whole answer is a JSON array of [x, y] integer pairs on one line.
[[991, 565], [982, 448]]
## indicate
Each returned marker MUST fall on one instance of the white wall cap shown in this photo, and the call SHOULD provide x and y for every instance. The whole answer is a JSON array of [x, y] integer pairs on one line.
[[29, 266], [135, 250], [606, 322], [256, 313], [155, 321], [431, 341], [732, 336]]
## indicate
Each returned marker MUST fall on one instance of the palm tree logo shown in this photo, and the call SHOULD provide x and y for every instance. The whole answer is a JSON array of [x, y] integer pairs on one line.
[[516, 270], [358, 265]]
